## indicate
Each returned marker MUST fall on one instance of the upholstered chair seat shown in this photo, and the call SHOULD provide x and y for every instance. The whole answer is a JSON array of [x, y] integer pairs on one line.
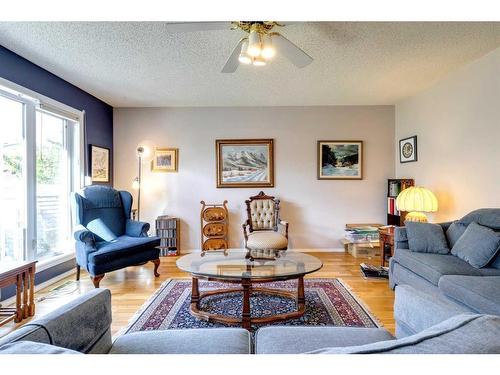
[[266, 240], [264, 230]]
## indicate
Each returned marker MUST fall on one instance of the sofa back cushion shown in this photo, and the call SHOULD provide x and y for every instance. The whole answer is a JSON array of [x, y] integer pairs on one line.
[[489, 217], [454, 232], [478, 245], [461, 334], [426, 238]]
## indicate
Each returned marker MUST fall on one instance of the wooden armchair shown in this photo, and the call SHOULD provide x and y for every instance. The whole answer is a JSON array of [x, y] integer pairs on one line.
[[264, 230]]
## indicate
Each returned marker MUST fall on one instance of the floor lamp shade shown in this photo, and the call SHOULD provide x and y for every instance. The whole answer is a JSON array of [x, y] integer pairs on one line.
[[416, 200]]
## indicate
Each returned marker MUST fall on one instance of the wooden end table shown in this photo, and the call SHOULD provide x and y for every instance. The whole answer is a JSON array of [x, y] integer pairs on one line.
[[22, 275], [386, 238]]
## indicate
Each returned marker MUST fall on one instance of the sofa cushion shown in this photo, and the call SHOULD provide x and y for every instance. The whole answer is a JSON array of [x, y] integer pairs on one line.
[[185, 341], [99, 228], [123, 247], [29, 347], [266, 240], [432, 266], [477, 246], [426, 238], [461, 334], [292, 340], [481, 294], [489, 217], [455, 230]]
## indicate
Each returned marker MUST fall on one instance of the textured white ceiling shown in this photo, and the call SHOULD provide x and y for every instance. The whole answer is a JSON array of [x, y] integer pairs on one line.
[[141, 64]]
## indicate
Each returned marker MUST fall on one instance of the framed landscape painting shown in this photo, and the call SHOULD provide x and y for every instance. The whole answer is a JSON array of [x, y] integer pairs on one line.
[[244, 163], [340, 160], [165, 160], [99, 163]]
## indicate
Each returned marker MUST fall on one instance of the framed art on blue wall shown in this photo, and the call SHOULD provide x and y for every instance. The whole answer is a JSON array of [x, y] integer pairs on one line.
[[99, 163]]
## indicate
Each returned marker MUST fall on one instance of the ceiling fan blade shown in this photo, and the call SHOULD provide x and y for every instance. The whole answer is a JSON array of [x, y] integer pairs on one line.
[[233, 62], [187, 27], [293, 53]]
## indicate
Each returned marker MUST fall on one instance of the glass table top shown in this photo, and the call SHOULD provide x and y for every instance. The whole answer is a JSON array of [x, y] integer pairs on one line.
[[233, 265]]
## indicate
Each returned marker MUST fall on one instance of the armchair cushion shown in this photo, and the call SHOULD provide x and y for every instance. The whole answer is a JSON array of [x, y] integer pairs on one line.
[[136, 228], [266, 240], [99, 228], [262, 213], [123, 247]]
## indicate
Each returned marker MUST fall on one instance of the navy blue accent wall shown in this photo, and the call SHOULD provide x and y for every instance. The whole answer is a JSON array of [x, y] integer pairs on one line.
[[99, 117]]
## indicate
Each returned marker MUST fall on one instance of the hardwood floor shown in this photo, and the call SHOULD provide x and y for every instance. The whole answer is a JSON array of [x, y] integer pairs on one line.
[[131, 287]]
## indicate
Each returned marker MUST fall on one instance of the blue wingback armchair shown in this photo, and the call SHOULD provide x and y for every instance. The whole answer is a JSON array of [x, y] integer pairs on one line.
[[106, 238]]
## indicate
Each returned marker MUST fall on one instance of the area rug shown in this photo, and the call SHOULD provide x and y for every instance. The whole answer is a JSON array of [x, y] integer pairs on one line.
[[328, 303]]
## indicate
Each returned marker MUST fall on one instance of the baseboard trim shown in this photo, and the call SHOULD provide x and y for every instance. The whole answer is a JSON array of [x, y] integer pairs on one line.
[[333, 250], [45, 284]]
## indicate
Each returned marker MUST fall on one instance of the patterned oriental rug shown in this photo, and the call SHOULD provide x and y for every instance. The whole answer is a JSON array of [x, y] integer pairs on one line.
[[328, 303]]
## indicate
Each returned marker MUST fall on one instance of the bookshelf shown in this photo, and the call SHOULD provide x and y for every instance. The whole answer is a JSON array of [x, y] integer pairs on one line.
[[168, 229], [394, 187]]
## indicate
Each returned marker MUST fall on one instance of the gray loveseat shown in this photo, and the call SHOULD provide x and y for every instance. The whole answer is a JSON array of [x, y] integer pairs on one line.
[[83, 326], [453, 285]]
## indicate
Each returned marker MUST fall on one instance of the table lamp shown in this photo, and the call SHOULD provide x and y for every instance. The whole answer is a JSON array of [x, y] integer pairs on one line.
[[416, 200]]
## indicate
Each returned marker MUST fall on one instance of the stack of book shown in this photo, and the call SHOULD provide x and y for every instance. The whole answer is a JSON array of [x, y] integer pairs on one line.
[[361, 234], [371, 271]]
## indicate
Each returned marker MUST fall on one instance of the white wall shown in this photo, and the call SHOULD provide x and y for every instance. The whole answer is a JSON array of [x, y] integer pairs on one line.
[[457, 123], [317, 210]]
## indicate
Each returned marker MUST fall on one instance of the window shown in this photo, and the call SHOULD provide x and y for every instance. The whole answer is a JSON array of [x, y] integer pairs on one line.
[[40, 153]]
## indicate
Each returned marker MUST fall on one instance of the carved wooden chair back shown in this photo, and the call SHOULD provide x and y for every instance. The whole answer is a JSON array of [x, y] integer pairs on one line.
[[263, 212]]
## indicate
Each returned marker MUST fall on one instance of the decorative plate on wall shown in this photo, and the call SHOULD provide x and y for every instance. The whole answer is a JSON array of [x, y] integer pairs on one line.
[[408, 149]]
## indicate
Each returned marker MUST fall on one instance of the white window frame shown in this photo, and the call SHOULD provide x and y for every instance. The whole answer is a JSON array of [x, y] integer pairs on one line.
[[34, 101]]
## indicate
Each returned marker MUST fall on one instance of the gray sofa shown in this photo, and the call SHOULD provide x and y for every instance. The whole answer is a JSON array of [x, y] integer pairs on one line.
[[83, 326], [454, 285]]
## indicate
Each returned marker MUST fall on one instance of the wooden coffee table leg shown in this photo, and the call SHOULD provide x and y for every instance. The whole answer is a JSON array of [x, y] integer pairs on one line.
[[301, 300], [31, 308], [246, 284], [195, 293]]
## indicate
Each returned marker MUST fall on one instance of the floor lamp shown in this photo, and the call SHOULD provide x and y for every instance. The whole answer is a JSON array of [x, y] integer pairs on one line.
[[136, 184]]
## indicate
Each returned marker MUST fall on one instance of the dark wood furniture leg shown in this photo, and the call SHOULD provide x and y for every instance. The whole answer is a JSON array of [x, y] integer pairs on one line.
[[77, 272], [96, 280], [195, 294], [156, 262], [301, 299], [25, 277], [245, 318], [19, 310], [31, 303]]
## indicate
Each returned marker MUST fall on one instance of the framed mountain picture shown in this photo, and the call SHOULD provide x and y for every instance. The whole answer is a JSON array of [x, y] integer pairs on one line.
[[340, 160], [243, 163]]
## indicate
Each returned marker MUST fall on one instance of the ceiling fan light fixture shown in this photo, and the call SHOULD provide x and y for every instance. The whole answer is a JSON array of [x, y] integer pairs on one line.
[[254, 43], [244, 58], [258, 61], [268, 50]]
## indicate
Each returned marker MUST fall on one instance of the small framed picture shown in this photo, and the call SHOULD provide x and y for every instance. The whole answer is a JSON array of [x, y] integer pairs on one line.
[[165, 160], [408, 149], [99, 163], [340, 160]]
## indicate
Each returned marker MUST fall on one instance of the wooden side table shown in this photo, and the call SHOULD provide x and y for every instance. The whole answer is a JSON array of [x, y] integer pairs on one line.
[[22, 275], [386, 238]]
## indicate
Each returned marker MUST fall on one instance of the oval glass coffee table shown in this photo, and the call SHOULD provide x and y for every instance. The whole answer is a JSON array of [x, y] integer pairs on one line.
[[234, 267]]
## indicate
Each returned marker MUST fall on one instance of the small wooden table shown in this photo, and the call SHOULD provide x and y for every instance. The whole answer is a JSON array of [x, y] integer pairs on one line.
[[386, 238], [22, 275]]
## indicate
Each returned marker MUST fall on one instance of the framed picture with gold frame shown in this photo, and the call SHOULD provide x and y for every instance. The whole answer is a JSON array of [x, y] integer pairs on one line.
[[165, 160], [244, 163]]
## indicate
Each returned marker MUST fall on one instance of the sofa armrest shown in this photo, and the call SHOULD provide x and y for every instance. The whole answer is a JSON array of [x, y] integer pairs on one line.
[[82, 325], [135, 228], [400, 238]]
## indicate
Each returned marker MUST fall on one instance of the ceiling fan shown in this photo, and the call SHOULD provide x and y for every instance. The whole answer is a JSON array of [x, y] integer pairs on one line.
[[257, 48]]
